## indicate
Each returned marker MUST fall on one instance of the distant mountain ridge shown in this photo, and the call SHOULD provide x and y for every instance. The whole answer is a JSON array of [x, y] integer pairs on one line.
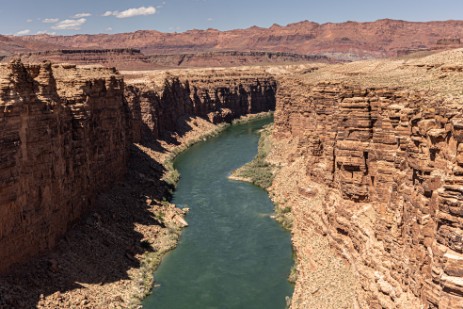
[[341, 41]]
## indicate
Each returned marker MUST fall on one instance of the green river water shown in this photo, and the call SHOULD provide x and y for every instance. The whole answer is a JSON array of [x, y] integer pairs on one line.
[[233, 255]]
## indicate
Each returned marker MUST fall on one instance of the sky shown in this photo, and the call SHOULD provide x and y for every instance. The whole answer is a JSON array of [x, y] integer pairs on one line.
[[68, 17]]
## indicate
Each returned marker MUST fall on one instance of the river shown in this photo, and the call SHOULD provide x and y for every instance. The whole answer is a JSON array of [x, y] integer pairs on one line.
[[233, 255]]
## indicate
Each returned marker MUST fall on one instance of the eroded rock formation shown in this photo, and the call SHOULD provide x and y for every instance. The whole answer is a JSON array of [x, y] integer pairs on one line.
[[255, 45], [348, 40], [165, 104], [64, 138], [66, 133], [134, 59], [122, 58], [230, 58], [381, 170], [369, 160]]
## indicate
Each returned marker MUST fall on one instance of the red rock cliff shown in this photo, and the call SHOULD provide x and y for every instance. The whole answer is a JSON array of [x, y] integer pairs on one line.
[[160, 107], [348, 40], [66, 130], [63, 139], [386, 166]]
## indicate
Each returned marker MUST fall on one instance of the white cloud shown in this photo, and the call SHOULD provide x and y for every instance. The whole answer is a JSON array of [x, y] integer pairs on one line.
[[80, 15], [46, 32], [132, 12], [50, 20], [70, 24], [23, 32], [210, 19], [29, 20], [109, 29]]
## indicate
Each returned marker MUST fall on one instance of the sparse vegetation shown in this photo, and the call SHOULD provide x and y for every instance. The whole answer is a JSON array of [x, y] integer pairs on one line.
[[284, 217], [286, 210], [149, 263], [261, 173], [253, 117], [172, 176], [293, 274], [258, 171]]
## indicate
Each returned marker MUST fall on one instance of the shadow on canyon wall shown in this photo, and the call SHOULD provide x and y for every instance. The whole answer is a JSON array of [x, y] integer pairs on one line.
[[98, 250], [166, 115], [101, 247]]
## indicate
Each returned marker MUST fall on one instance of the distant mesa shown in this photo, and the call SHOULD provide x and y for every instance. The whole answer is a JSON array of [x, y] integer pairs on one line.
[[346, 41]]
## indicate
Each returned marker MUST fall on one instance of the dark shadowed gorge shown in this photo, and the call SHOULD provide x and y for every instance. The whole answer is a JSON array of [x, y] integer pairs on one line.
[[71, 133]]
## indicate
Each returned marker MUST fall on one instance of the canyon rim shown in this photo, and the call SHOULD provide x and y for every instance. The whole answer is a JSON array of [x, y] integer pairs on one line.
[[363, 161]]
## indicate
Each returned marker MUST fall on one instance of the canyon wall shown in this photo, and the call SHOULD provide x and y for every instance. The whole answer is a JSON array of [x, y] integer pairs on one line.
[[64, 136], [134, 59], [66, 132], [375, 170], [381, 169], [161, 106], [122, 58], [230, 58]]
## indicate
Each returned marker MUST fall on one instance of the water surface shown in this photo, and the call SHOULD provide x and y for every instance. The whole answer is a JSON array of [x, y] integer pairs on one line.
[[233, 255]]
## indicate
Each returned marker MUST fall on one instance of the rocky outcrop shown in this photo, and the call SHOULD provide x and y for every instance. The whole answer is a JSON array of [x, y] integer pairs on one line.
[[161, 110], [64, 137], [381, 171], [230, 58], [345, 41], [303, 41], [122, 58], [134, 59], [66, 133]]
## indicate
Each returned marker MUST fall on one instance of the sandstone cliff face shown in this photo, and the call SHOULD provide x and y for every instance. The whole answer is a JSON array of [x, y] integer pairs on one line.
[[161, 108], [128, 58], [134, 59], [383, 174], [64, 137], [230, 58]]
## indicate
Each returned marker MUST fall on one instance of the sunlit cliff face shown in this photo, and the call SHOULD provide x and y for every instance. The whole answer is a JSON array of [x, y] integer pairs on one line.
[[378, 173]]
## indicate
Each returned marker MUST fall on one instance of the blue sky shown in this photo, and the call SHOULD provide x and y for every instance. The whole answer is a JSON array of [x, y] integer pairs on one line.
[[113, 16]]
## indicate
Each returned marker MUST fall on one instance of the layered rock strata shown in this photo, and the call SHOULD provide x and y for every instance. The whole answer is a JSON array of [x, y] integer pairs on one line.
[[122, 58], [162, 105], [345, 41], [380, 171], [369, 164], [134, 59], [230, 58], [64, 136]]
